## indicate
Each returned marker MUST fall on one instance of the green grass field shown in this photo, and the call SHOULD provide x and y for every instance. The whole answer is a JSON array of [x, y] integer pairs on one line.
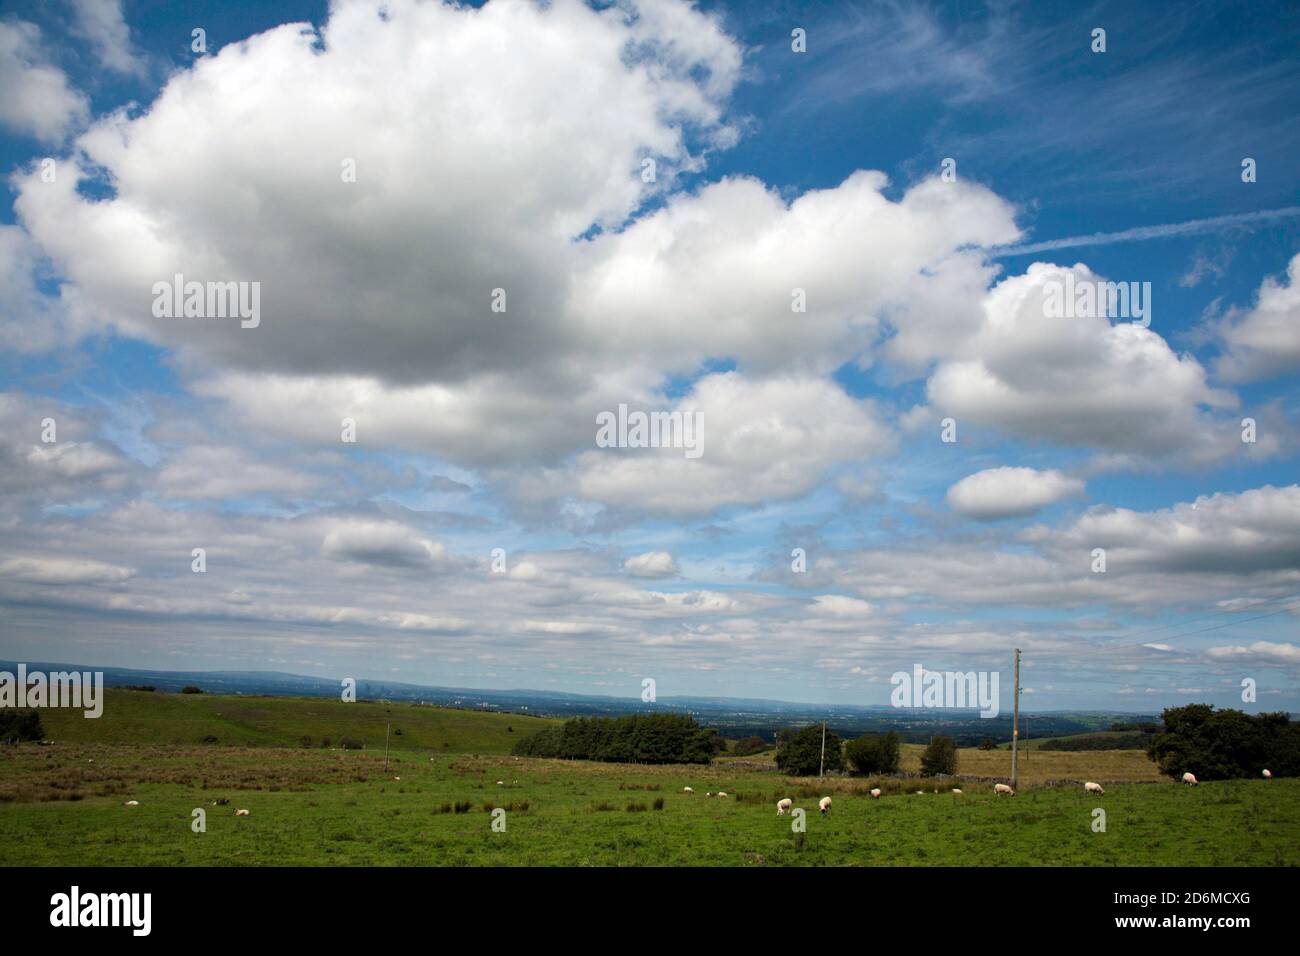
[[64, 804]]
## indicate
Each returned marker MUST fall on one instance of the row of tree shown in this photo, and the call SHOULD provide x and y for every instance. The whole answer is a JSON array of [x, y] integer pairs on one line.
[[802, 753], [638, 738]]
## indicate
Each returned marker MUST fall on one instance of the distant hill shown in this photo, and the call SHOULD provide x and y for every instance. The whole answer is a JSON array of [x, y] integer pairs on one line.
[[143, 717], [732, 717]]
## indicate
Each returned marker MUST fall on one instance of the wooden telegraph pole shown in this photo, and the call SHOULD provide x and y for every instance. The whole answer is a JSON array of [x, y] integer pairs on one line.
[[1015, 727], [821, 769]]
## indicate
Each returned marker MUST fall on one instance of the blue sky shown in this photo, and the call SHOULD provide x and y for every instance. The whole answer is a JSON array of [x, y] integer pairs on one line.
[[503, 148]]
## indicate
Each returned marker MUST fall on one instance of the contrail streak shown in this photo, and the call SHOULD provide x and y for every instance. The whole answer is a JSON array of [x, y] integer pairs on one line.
[[1147, 232]]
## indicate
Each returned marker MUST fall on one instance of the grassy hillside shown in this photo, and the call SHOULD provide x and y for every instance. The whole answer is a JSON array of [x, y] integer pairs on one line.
[[315, 807], [142, 717]]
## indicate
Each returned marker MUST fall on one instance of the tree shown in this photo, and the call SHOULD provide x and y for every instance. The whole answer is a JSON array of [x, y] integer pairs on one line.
[[191, 689], [799, 753], [939, 757], [1224, 744], [988, 743], [874, 753], [19, 725]]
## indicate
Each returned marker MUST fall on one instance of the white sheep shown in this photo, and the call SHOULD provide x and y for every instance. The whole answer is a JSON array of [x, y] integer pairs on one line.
[[131, 803], [824, 804], [688, 789], [956, 790], [1002, 789], [1093, 787], [241, 813], [1267, 775], [722, 793], [1189, 778], [875, 793], [783, 806]]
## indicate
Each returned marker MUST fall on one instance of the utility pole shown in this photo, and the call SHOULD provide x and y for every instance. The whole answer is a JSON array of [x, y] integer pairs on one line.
[[388, 728], [822, 768], [1015, 727]]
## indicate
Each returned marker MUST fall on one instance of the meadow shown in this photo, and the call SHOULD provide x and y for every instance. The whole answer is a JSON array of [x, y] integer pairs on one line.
[[63, 804]]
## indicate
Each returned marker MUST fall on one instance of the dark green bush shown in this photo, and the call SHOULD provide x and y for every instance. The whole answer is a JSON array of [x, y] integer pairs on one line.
[[17, 726], [1226, 744], [939, 757], [874, 753]]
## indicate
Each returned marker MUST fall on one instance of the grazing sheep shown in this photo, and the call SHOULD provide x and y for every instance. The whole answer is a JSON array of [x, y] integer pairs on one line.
[[131, 803], [688, 789], [397, 778], [1267, 775], [722, 793], [783, 806], [824, 804], [920, 793], [1001, 789], [709, 794], [875, 793], [1093, 787], [241, 813], [1189, 778], [501, 783], [955, 790]]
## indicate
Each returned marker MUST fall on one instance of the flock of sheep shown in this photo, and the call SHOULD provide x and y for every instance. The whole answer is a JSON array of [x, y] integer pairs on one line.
[[785, 805]]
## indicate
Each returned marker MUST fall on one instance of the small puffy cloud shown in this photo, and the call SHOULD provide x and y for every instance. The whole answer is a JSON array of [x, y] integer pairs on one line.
[[1264, 342], [839, 606], [1010, 492], [1263, 652], [652, 564], [382, 543], [101, 23], [35, 98], [43, 570]]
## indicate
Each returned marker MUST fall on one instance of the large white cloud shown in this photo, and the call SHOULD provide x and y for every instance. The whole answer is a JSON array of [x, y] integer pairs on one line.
[[1080, 380], [484, 141]]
